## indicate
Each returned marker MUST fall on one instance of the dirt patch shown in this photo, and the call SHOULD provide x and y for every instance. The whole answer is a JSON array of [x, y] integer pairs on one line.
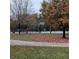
[[50, 38]]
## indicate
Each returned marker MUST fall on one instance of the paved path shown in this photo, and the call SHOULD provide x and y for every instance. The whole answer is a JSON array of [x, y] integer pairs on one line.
[[32, 43]]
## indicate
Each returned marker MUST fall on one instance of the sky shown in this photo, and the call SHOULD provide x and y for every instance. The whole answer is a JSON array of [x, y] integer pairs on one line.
[[37, 5]]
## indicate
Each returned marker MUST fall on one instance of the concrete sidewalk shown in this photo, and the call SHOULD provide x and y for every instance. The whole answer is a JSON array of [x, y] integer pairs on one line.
[[32, 43]]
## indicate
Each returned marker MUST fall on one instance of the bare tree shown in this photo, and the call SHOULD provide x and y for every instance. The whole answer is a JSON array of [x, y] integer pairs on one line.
[[18, 8]]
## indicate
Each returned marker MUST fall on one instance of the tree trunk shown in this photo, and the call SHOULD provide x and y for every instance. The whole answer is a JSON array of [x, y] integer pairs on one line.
[[13, 32], [19, 28], [50, 29], [63, 32], [39, 29], [19, 32], [27, 31]]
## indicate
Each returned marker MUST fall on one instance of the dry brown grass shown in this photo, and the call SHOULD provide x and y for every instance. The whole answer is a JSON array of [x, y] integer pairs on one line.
[[40, 37]]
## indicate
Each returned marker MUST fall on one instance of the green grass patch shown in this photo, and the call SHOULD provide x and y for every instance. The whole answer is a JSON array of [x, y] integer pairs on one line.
[[20, 37], [22, 52]]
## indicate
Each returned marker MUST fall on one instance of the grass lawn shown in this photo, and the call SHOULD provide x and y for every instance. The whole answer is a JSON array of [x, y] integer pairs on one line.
[[39, 37], [22, 52]]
